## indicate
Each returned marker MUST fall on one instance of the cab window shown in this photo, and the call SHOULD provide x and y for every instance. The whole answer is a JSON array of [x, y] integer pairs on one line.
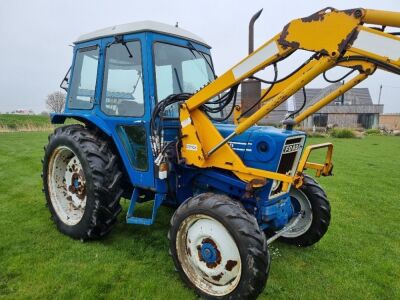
[[83, 84], [179, 70], [123, 80]]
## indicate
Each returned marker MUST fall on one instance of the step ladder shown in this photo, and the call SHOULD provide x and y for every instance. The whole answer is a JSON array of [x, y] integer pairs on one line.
[[131, 219]]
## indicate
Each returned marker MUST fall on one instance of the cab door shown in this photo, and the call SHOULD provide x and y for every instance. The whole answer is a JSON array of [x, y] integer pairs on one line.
[[125, 105]]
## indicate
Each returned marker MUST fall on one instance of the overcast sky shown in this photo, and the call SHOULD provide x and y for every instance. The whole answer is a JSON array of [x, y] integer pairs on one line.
[[35, 37]]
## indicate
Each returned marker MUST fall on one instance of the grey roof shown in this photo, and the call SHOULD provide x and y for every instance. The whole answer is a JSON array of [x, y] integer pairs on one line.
[[140, 27], [355, 96]]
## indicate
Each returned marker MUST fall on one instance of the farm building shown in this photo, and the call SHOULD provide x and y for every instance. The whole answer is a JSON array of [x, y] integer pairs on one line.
[[354, 109], [389, 121]]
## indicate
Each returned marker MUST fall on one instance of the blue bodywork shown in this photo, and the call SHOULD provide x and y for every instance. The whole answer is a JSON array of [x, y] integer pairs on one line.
[[259, 147]]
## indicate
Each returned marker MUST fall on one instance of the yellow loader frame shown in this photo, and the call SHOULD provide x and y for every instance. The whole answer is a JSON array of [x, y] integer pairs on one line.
[[336, 38]]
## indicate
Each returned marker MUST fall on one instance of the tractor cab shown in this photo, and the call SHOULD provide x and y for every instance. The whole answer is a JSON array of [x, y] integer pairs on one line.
[[120, 73]]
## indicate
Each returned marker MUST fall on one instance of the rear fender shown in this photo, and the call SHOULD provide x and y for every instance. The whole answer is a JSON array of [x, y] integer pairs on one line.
[[59, 118]]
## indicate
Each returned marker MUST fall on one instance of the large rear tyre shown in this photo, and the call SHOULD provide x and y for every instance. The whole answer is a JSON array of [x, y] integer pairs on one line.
[[81, 182], [218, 248], [312, 203]]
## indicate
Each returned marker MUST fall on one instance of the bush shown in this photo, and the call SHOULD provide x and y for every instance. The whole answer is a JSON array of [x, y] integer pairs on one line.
[[343, 133], [316, 134], [373, 132]]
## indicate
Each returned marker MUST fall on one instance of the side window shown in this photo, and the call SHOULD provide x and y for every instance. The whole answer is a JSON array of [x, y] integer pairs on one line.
[[84, 78], [123, 81], [134, 140]]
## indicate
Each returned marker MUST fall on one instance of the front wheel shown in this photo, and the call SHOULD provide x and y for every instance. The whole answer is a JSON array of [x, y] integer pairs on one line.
[[311, 203], [218, 248]]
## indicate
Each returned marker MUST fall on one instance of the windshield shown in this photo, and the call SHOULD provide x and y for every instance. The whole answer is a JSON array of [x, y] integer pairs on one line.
[[180, 70]]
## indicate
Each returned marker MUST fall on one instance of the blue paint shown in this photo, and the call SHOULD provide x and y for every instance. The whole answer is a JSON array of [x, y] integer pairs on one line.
[[131, 219], [76, 183], [259, 147], [208, 253]]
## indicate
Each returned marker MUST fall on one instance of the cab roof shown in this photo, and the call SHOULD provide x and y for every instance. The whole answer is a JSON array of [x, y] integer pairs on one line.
[[141, 27]]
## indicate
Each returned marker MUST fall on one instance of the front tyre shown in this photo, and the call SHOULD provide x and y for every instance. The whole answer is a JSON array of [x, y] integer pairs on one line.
[[218, 248], [311, 203], [81, 182]]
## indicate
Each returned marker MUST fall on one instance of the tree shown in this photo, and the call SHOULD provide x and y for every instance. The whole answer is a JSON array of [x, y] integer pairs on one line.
[[55, 102]]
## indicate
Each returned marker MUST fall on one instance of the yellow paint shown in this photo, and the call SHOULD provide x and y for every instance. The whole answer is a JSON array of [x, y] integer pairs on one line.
[[322, 169], [325, 33], [381, 17]]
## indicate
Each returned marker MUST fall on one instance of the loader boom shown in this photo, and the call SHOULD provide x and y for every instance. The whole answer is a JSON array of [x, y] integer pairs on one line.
[[336, 38]]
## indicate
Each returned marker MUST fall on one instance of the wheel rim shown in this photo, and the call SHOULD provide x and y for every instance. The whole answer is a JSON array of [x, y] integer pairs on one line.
[[67, 185], [301, 205], [208, 255]]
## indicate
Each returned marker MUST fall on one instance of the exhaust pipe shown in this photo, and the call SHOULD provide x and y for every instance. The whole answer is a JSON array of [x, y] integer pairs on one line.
[[251, 30], [251, 89]]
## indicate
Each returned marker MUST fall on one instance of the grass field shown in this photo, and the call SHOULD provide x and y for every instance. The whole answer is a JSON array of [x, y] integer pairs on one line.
[[24, 122], [11, 122], [359, 258]]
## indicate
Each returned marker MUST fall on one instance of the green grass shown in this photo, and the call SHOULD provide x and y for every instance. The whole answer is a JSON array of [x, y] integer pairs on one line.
[[10, 122], [21, 122], [359, 257]]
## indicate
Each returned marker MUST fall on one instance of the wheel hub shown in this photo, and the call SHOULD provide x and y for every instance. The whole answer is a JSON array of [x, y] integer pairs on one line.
[[75, 181], [209, 252]]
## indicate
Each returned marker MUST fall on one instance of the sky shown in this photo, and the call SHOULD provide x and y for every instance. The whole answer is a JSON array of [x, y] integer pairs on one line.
[[35, 50]]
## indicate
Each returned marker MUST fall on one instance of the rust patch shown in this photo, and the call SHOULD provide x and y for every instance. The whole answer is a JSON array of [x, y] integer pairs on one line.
[[199, 253], [348, 41], [356, 12], [79, 191], [286, 44], [318, 16], [252, 185], [230, 264], [217, 277]]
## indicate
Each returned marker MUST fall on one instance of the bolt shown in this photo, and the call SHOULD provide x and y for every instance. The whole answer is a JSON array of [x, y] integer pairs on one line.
[[358, 13]]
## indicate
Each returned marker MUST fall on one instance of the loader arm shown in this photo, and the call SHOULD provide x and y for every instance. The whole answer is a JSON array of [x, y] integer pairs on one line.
[[335, 38]]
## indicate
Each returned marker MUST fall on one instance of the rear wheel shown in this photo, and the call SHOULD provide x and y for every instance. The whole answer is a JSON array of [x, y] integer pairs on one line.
[[81, 181], [218, 249], [311, 203]]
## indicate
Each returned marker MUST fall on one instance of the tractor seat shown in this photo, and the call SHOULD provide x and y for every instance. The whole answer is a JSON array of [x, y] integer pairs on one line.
[[130, 108]]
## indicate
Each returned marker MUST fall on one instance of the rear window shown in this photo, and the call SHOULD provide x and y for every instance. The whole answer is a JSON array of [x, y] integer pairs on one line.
[[84, 77]]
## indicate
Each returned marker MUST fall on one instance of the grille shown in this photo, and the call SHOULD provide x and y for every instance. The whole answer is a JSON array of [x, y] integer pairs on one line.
[[290, 155], [288, 159]]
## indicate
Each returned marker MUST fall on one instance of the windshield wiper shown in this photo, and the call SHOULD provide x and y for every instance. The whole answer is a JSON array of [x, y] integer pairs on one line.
[[118, 39], [177, 79], [192, 48]]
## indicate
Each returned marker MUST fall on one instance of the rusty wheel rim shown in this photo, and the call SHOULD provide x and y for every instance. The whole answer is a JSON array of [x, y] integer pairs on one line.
[[208, 255], [67, 185]]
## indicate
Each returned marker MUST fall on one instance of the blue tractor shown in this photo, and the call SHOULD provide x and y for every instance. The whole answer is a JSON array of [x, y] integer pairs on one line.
[[157, 124]]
